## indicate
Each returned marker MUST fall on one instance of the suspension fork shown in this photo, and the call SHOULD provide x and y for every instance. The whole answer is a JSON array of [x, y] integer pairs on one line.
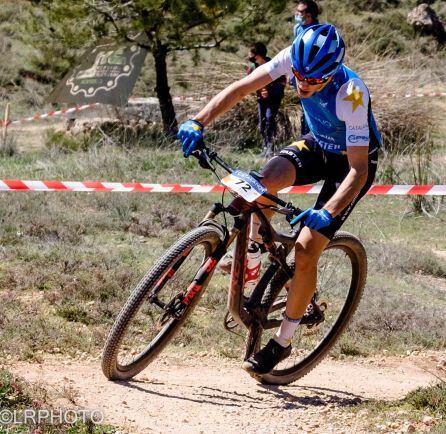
[[206, 269], [201, 278]]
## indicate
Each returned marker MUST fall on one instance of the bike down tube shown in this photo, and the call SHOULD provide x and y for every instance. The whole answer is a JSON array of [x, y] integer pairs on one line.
[[235, 296], [277, 257]]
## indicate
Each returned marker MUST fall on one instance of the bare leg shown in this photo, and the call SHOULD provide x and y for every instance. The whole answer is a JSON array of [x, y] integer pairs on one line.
[[309, 247], [278, 173]]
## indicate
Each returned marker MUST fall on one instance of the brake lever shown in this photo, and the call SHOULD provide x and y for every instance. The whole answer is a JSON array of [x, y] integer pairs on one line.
[[204, 161], [202, 155], [294, 213]]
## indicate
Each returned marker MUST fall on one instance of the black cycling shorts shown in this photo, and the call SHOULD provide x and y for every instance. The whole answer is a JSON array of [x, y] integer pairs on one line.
[[313, 164]]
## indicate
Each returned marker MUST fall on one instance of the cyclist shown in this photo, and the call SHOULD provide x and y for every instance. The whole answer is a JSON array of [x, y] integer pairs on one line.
[[341, 149]]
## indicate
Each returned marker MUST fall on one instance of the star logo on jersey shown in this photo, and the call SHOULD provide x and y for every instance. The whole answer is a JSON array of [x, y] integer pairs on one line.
[[300, 145], [355, 98]]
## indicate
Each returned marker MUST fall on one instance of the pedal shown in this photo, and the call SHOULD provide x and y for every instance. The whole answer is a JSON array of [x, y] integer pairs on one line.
[[314, 314]]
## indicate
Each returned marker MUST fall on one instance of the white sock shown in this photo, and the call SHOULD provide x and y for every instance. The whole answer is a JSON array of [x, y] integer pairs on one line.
[[254, 230], [286, 330]]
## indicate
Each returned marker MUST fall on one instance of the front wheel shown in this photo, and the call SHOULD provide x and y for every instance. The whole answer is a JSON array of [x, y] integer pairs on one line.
[[160, 304], [342, 272]]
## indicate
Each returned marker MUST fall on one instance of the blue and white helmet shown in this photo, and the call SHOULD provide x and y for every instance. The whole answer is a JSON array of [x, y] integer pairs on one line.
[[318, 51]]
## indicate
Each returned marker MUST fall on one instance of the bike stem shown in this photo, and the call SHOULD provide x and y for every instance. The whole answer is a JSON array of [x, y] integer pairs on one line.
[[205, 157]]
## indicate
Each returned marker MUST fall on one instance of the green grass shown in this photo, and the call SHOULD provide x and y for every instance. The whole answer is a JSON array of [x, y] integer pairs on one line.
[[12, 393], [432, 399], [69, 260], [423, 402]]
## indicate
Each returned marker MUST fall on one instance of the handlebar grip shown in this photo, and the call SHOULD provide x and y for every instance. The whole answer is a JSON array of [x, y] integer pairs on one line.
[[200, 146]]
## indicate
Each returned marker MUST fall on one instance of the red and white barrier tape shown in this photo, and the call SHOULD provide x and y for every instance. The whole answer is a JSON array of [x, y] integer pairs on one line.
[[414, 95], [138, 100], [90, 186], [53, 113], [435, 94]]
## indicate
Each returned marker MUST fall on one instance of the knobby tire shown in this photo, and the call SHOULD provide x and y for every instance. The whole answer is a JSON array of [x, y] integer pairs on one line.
[[206, 236], [354, 249]]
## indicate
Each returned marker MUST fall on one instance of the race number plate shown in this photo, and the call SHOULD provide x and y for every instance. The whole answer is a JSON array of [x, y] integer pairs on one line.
[[244, 185]]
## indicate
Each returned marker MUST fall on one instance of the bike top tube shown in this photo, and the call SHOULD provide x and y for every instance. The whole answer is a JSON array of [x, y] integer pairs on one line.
[[205, 156]]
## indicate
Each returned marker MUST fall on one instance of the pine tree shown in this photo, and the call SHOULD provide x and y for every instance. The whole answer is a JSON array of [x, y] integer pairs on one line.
[[163, 27]]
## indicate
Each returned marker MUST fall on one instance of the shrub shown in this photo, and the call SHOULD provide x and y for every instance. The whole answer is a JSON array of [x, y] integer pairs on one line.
[[358, 6], [13, 392], [430, 398], [390, 257], [392, 320], [65, 142], [239, 128], [74, 313]]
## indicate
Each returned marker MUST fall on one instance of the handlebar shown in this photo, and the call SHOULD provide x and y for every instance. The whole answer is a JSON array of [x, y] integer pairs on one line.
[[205, 158]]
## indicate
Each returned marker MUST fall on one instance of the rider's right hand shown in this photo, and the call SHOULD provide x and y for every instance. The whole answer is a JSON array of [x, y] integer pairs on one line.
[[190, 134]]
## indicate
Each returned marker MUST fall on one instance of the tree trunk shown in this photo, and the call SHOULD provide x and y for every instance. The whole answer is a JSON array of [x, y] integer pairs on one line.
[[163, 91]]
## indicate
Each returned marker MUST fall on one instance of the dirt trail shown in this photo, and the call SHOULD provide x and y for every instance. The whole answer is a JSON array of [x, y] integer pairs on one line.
[[193, 394]]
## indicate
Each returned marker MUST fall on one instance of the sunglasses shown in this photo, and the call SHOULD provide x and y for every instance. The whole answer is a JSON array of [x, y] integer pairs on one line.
[[309, 80]]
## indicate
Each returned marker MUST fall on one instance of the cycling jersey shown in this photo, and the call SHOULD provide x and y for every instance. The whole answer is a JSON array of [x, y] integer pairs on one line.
[[313, 164], [338, 116]]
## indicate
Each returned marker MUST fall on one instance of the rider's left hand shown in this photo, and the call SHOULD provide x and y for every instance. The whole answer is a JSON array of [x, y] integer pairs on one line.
[[314, 218]]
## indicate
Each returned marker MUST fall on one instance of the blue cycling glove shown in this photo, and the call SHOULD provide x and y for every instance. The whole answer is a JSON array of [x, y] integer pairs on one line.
[[190, 134], [314, 218]]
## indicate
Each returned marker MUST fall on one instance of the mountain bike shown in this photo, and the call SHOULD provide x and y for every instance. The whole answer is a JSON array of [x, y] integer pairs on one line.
[[167, 295]]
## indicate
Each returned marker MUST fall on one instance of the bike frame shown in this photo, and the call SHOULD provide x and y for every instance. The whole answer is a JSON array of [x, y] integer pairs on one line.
[[246, 312], [249, 312]]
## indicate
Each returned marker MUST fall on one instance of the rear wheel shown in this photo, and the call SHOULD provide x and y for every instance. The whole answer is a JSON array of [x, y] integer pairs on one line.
[[155, 309], [342, 272]]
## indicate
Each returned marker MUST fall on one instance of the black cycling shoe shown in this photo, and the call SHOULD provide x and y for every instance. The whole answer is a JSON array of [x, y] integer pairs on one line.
[[266, 359]]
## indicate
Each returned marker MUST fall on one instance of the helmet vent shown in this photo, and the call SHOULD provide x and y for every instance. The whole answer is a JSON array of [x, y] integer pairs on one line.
[[313, 53], [318, 52], [323, 62], [301, 51]]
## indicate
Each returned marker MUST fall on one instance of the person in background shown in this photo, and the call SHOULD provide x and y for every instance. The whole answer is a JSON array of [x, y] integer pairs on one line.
[[269, 99], [305, 15]]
